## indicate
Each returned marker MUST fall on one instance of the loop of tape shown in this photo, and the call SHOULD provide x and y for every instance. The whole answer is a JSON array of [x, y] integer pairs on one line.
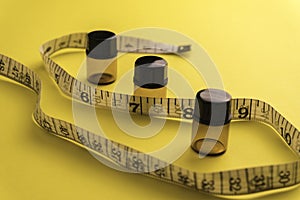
[[225, 183]]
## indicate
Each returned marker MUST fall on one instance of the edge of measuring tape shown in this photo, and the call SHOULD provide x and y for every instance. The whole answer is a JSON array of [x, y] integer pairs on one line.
[[225, 183]]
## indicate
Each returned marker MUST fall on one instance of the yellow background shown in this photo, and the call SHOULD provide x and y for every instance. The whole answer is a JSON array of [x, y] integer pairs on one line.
[[255, 45]]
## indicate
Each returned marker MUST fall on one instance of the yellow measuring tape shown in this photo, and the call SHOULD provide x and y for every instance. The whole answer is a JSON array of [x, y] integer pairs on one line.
[[226, 183]]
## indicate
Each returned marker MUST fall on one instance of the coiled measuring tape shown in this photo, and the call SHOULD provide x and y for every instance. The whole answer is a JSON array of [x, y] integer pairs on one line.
[[226, 183]]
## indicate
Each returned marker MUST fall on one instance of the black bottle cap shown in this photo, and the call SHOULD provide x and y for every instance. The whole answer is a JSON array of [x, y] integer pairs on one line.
[[212, 107], [150, 72], [101, 44]]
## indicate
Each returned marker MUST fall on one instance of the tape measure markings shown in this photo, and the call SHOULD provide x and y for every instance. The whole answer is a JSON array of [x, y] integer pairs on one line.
[[49, 48], [49, 126], [280, 124], [230, 182], [244, 110], [125, 44]]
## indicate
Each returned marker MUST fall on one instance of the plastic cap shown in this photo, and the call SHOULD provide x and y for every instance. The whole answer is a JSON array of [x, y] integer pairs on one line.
[[212, 107], [150, 72], [101, 45]]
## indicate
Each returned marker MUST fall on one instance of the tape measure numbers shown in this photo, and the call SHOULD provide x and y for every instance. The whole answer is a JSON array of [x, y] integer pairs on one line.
[[225, 183], [96, 97]]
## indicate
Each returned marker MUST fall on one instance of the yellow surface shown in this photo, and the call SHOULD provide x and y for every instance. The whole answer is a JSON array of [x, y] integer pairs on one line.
[[255, 45]]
